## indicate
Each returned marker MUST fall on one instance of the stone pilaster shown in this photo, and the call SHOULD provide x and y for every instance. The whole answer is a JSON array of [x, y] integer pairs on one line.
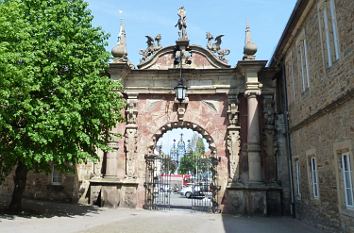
[[111, 161], [233, 139], [269, 140], [130, 142]]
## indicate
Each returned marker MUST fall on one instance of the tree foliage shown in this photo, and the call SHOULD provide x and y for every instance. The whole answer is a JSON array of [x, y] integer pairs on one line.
[[168, 165], [195, 162], [56, 101]]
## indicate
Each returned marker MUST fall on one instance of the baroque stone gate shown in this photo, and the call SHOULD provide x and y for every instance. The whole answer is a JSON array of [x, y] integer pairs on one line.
[[234, 108]]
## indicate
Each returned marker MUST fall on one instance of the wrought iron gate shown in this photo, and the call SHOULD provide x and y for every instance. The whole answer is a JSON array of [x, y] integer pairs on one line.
[[196, 192]]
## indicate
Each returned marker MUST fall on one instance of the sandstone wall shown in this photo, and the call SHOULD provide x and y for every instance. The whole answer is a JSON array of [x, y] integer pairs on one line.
[[322, 117]]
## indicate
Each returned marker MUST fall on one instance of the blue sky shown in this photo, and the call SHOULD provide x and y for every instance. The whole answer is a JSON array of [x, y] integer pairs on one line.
[[267, 19], [142, 17]]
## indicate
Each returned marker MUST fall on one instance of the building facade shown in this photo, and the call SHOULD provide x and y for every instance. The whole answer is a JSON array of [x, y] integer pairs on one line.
[[232, 108], [282, 136], [315, 59]]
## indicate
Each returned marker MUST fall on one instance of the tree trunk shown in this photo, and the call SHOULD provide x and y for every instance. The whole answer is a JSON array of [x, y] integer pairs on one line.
[[20, 185]]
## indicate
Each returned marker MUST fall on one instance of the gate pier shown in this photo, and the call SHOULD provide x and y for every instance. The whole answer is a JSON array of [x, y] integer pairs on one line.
[[113, 193], [253, 199]]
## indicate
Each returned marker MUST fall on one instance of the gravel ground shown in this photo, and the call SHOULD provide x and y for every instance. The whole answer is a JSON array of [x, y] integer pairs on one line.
[[55, 217]]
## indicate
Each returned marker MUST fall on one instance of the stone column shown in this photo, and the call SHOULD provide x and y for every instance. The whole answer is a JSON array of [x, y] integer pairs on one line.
[[251, 69], [111, 161], [253, 137]]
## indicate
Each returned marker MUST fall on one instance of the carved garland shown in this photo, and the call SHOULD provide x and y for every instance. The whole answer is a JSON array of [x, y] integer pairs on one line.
[[233, 138], [130, 140], [269, 141]]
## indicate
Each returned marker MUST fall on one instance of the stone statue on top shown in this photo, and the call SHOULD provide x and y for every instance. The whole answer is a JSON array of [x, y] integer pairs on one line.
[[182, 24]]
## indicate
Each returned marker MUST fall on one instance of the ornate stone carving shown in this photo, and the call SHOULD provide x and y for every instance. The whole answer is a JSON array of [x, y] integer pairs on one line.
[[215, 47], [130, 150], [181, 108], [182, 54], [233, 139], [131, 112], [182, 24], [268, 112], [130, 142], [214, 187], [232, 112], [269, 138], [253, 89], [151, 49]]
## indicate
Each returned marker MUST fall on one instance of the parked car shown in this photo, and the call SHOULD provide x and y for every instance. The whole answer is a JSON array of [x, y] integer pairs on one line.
[[192, 191]]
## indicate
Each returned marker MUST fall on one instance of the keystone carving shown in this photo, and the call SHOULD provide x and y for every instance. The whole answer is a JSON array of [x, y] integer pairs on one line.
[[182, 55], [181, 108]]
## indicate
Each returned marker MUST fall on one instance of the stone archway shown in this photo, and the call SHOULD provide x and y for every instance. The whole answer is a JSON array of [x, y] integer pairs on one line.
[[233, 108], [209, 187], [188, 125], [206, 114]]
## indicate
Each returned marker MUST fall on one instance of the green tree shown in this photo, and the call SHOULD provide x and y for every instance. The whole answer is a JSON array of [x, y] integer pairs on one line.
[[57, 103], [195, 162], [168, 165], [187, 164]]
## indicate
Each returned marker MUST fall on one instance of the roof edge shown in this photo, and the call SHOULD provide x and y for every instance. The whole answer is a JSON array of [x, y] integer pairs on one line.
[[299, 8]]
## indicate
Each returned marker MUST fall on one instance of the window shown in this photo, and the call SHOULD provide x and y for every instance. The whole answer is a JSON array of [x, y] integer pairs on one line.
[[329, 32], [314, 178], [297, 178], [303, 62], [56, 176], [347, 180]]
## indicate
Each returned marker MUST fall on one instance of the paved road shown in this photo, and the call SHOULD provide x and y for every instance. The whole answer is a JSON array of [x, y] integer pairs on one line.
[[74, 219], [176, 199]]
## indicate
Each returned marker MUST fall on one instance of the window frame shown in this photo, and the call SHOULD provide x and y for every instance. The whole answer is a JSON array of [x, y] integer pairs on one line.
[[314, 178], [328, 27], [298, 178], [344, 177], [304, 70]]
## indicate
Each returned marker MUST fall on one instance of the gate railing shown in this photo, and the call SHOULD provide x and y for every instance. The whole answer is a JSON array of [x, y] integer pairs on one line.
[[158, 185]]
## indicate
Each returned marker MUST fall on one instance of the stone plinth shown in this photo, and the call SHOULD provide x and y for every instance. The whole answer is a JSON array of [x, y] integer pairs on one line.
[[255, 199], [113, 193]]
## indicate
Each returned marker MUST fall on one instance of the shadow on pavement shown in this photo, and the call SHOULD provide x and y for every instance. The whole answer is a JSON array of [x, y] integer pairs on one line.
[[244, 224], [47, 209]]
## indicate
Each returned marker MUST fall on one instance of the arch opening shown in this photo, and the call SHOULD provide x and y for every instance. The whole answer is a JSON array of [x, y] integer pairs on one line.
[[181, 169]]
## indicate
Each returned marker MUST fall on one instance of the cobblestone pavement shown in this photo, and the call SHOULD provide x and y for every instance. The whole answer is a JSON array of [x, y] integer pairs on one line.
[[100, 220]]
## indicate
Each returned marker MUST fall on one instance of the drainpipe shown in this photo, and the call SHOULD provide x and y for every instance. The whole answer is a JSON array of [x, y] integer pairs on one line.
[[288, 143]]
